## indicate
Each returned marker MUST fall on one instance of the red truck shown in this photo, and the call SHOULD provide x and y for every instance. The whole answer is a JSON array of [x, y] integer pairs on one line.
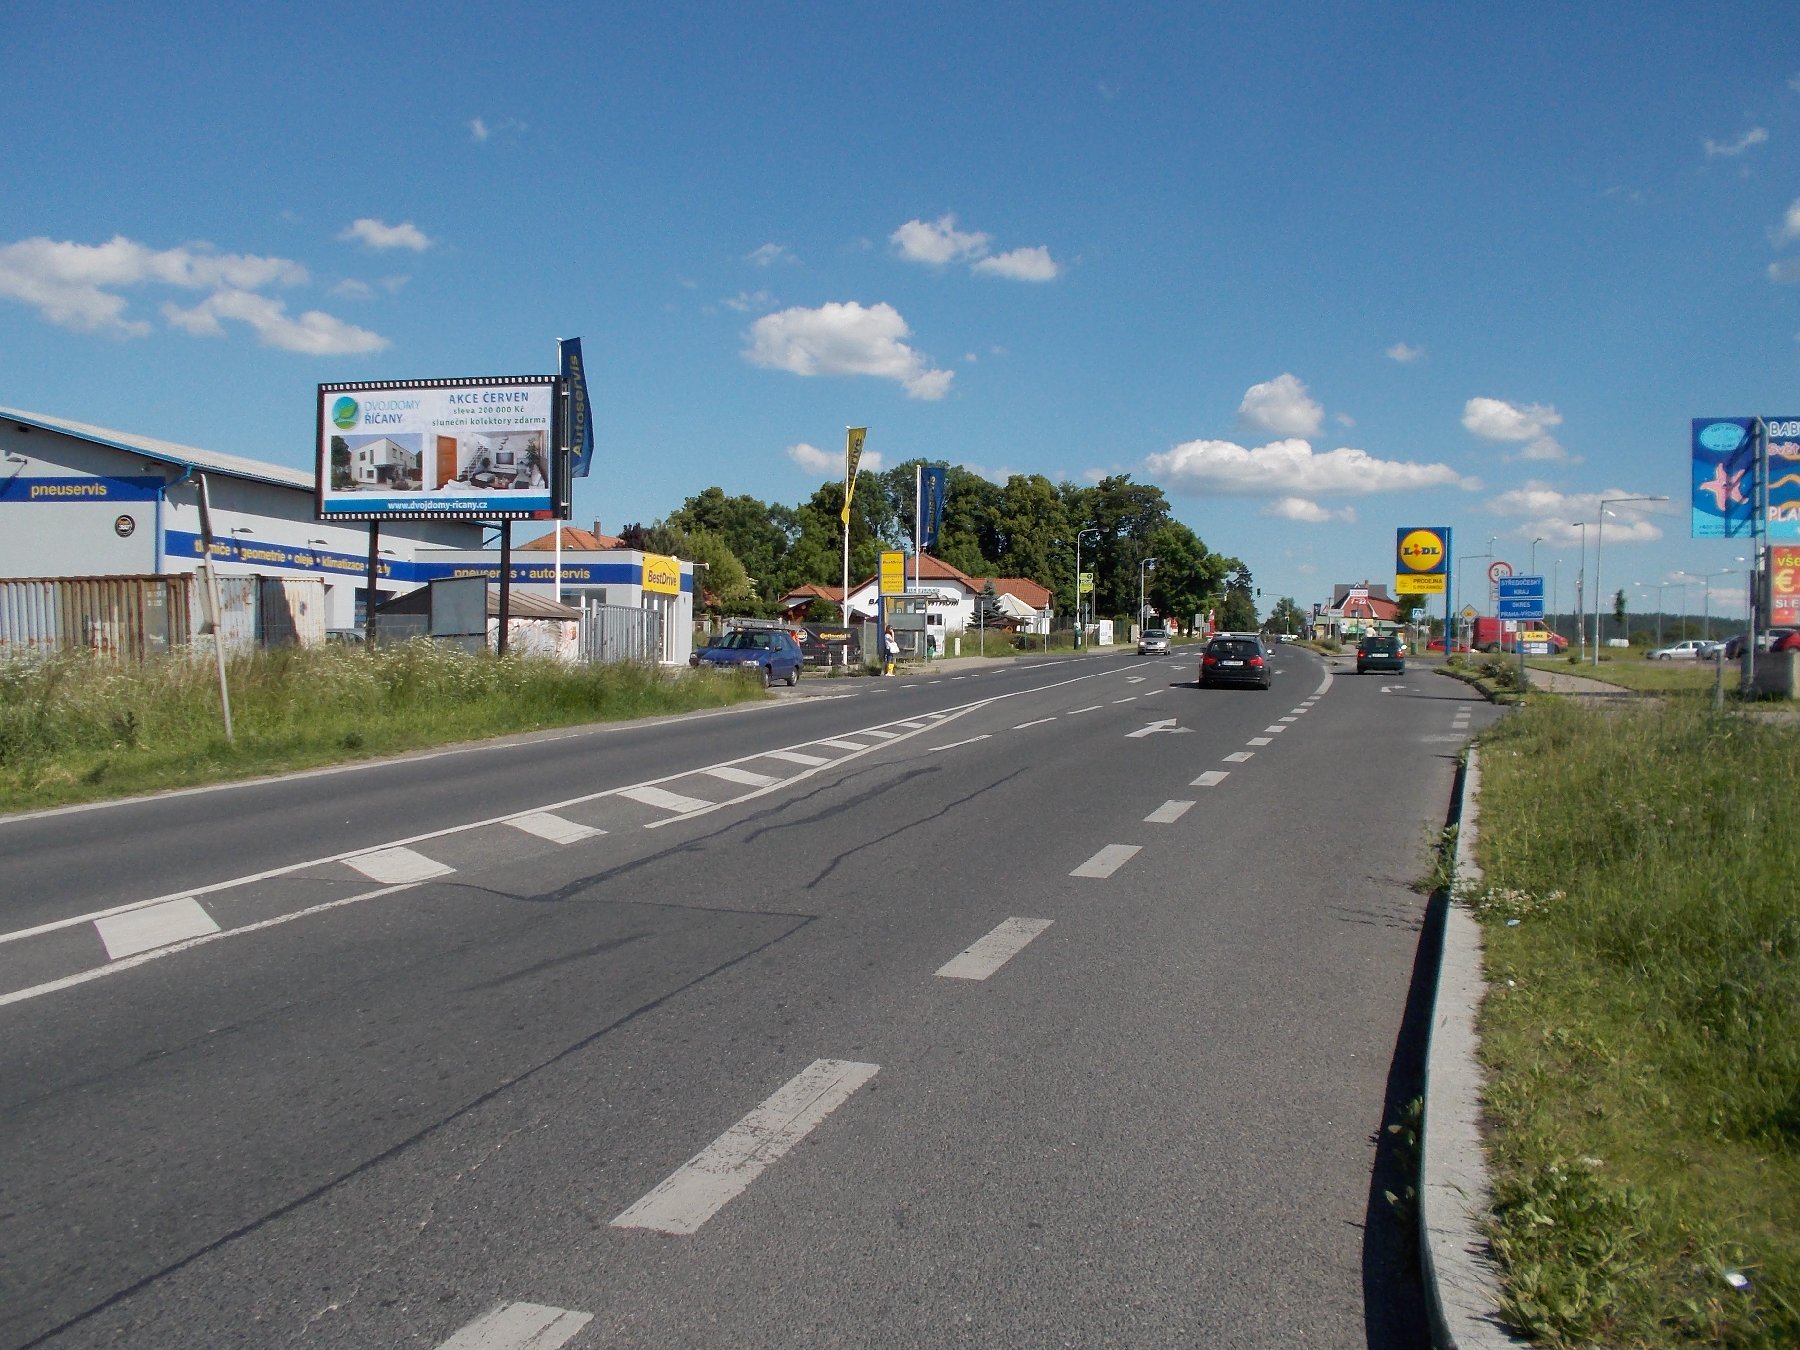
[[1492, 635]]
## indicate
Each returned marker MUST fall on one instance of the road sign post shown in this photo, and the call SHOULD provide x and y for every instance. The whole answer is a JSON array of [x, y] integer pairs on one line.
[[1519, 598]]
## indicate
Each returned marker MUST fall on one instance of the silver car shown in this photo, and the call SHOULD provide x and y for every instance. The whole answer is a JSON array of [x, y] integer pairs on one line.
[[1153, 640]]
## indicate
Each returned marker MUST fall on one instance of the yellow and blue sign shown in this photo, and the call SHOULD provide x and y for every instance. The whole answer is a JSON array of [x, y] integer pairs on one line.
[[1421, 560]]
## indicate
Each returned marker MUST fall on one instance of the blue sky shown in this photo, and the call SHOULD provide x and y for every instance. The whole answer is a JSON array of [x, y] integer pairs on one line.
[[1318, 270]]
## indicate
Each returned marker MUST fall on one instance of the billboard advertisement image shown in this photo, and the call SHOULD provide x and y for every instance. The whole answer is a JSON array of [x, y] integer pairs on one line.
[[437, 449]]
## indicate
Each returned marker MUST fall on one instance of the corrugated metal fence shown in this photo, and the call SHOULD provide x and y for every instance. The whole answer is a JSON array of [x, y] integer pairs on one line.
[[620, 633], [135, 618]]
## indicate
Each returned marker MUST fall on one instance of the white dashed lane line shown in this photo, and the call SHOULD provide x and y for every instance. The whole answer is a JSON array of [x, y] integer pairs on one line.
[[1211, 778], [394, 866], [724, 1168], [1258, 740], [519, 1326], [1040, 722], [143, 930], [982, 958], [1168, 813], [547, 825], [1239, 756], [1107, 861], [664, 800], [1092, 707]]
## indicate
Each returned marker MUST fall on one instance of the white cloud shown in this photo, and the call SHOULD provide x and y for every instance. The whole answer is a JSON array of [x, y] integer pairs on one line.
[[770, 254], [352, 289], [1343, 420], [745, 301], [1307, 512], [815, 460], [1754, 136], [1790, 224], [1281, 407], [1404, 353], [1022, 264], [314, 333], [480, 129], [1496, 420], [1555, 516], [1786, 272], [379, 235], [938, 242], [1290, 468], [1545, 448], [76, 286], [845, 339]]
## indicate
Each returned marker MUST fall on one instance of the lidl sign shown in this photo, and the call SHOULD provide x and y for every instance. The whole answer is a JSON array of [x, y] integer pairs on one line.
[[1422, 552]]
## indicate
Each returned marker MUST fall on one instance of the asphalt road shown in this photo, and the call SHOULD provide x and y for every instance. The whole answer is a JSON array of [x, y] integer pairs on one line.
[[1062, 1003]]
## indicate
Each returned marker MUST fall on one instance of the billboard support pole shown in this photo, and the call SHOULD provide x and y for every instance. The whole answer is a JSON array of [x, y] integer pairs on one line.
[[212, 591], [374, 564], [505, 584]]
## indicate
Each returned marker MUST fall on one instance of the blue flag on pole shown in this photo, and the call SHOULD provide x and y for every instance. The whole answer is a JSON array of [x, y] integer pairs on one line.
[[581, 417], [934, 480]]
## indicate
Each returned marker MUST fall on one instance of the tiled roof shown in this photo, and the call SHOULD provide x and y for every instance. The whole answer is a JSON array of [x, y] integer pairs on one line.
[[573, 541]]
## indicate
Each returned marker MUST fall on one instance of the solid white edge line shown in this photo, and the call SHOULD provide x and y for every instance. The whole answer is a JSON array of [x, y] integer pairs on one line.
[[143, 958], [721, 1171]]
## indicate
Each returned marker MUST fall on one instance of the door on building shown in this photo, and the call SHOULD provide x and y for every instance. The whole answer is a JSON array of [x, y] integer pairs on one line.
[[446, 460]]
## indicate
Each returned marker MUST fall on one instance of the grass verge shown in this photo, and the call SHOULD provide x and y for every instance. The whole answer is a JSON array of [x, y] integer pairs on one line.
[[1642, 1033], [80, 728]]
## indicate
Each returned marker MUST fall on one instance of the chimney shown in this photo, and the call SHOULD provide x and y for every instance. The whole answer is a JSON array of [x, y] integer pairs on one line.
[[597, 530]]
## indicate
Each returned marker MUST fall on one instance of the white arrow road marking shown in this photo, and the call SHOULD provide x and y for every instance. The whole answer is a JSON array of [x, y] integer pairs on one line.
[[144, 930], [1167, 724], [390, 866], [519, 1326], [724, 1168], [547, 825], [1168, 813], [983, 957], [1212, 778], [1107, 861], [1134, 679]]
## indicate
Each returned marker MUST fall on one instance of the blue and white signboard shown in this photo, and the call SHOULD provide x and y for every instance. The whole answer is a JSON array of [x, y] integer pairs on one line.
[[1520, 598]]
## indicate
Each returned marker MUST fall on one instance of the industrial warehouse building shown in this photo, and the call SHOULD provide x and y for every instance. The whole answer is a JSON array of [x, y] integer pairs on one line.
[[86, 501]]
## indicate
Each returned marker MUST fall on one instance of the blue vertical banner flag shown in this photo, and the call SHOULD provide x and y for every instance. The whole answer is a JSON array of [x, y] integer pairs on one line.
[[935, 480], [1724, 477], [581, 417]]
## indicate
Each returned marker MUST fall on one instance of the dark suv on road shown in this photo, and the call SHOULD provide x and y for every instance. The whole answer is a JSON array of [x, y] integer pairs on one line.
[[1235, 658]]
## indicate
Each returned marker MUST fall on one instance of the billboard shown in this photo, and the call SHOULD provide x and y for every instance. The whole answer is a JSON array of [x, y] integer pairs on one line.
[[1724, 477], [1421, 559], [1784, 585], [464, 449]]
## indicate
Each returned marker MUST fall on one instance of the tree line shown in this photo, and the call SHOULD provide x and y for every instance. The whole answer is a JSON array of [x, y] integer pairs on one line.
[[756, 552]]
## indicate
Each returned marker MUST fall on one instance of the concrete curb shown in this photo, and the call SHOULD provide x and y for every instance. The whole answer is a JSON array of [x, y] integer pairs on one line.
[[1461, 1285]]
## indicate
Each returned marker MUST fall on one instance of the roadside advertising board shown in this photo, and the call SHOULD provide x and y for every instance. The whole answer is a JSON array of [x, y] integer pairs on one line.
[[1784, 585], [456, 449], [893, 572], [1421, 560], [1724, 477]]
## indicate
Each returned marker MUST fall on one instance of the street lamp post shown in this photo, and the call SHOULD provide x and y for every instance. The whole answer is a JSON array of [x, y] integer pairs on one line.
[[1144, 565], [1580, 595], [1079, 536], [1532, 569], [1599, 539]]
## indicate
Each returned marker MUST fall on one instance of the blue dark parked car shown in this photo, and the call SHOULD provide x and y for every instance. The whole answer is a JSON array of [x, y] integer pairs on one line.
[[771, 650]]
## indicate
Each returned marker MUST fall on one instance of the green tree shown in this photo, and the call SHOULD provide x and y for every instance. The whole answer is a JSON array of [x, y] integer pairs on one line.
[[1286, 617]]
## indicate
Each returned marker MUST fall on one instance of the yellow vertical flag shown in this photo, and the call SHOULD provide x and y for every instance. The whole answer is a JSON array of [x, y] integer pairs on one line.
[[853, 446]]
